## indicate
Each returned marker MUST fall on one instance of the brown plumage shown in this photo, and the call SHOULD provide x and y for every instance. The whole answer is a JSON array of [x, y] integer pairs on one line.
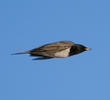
[[59, 49]]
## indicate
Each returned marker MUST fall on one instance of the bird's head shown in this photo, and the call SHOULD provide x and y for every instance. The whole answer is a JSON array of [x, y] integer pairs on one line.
[[81, 48]]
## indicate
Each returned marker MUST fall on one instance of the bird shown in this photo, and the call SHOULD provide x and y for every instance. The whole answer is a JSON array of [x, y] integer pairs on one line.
[[60, 49]]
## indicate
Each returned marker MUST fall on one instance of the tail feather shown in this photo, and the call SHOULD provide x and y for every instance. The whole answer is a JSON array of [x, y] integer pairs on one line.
[[26, 52]]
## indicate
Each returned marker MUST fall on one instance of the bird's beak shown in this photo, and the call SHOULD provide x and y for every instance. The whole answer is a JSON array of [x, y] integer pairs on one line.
[[87, 48]]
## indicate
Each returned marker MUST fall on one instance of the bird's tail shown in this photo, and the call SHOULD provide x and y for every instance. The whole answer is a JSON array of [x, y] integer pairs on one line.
[[26, 52]]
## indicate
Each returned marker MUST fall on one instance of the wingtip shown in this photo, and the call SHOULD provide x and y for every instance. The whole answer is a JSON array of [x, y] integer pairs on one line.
[[13, 54], [16, 53], [21, 53]]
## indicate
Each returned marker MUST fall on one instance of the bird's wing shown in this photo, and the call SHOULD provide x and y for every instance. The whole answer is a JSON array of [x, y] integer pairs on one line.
[[50, 49]]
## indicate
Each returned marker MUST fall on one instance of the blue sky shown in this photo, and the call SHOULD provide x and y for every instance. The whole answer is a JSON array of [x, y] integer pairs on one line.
[[26, 24]]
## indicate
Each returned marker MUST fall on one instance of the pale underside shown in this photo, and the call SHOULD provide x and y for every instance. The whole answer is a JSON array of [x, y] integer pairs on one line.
[[63, 53]]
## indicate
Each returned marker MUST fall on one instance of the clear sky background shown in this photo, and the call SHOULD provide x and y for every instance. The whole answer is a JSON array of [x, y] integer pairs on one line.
[[26, 24]]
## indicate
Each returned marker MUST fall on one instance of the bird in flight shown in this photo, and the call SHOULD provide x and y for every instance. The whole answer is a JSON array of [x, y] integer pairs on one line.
[[59, 49]]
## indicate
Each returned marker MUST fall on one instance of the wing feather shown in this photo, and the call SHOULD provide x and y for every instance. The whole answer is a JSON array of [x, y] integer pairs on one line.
[[50, 49]]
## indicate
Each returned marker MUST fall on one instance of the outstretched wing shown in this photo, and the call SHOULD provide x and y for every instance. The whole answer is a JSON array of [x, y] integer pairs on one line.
[[49, 50]]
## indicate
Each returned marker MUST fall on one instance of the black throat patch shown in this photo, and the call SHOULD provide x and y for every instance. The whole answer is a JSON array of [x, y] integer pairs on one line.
[[74, 50]]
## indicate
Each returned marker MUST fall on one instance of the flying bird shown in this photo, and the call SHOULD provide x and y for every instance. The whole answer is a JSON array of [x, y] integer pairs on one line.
[[59, 49]]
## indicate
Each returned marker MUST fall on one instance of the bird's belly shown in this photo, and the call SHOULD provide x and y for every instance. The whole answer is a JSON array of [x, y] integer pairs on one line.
[[62, 54]]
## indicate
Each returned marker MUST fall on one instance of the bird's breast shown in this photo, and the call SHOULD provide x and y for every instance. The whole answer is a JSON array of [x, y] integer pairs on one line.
[[63, 53]]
